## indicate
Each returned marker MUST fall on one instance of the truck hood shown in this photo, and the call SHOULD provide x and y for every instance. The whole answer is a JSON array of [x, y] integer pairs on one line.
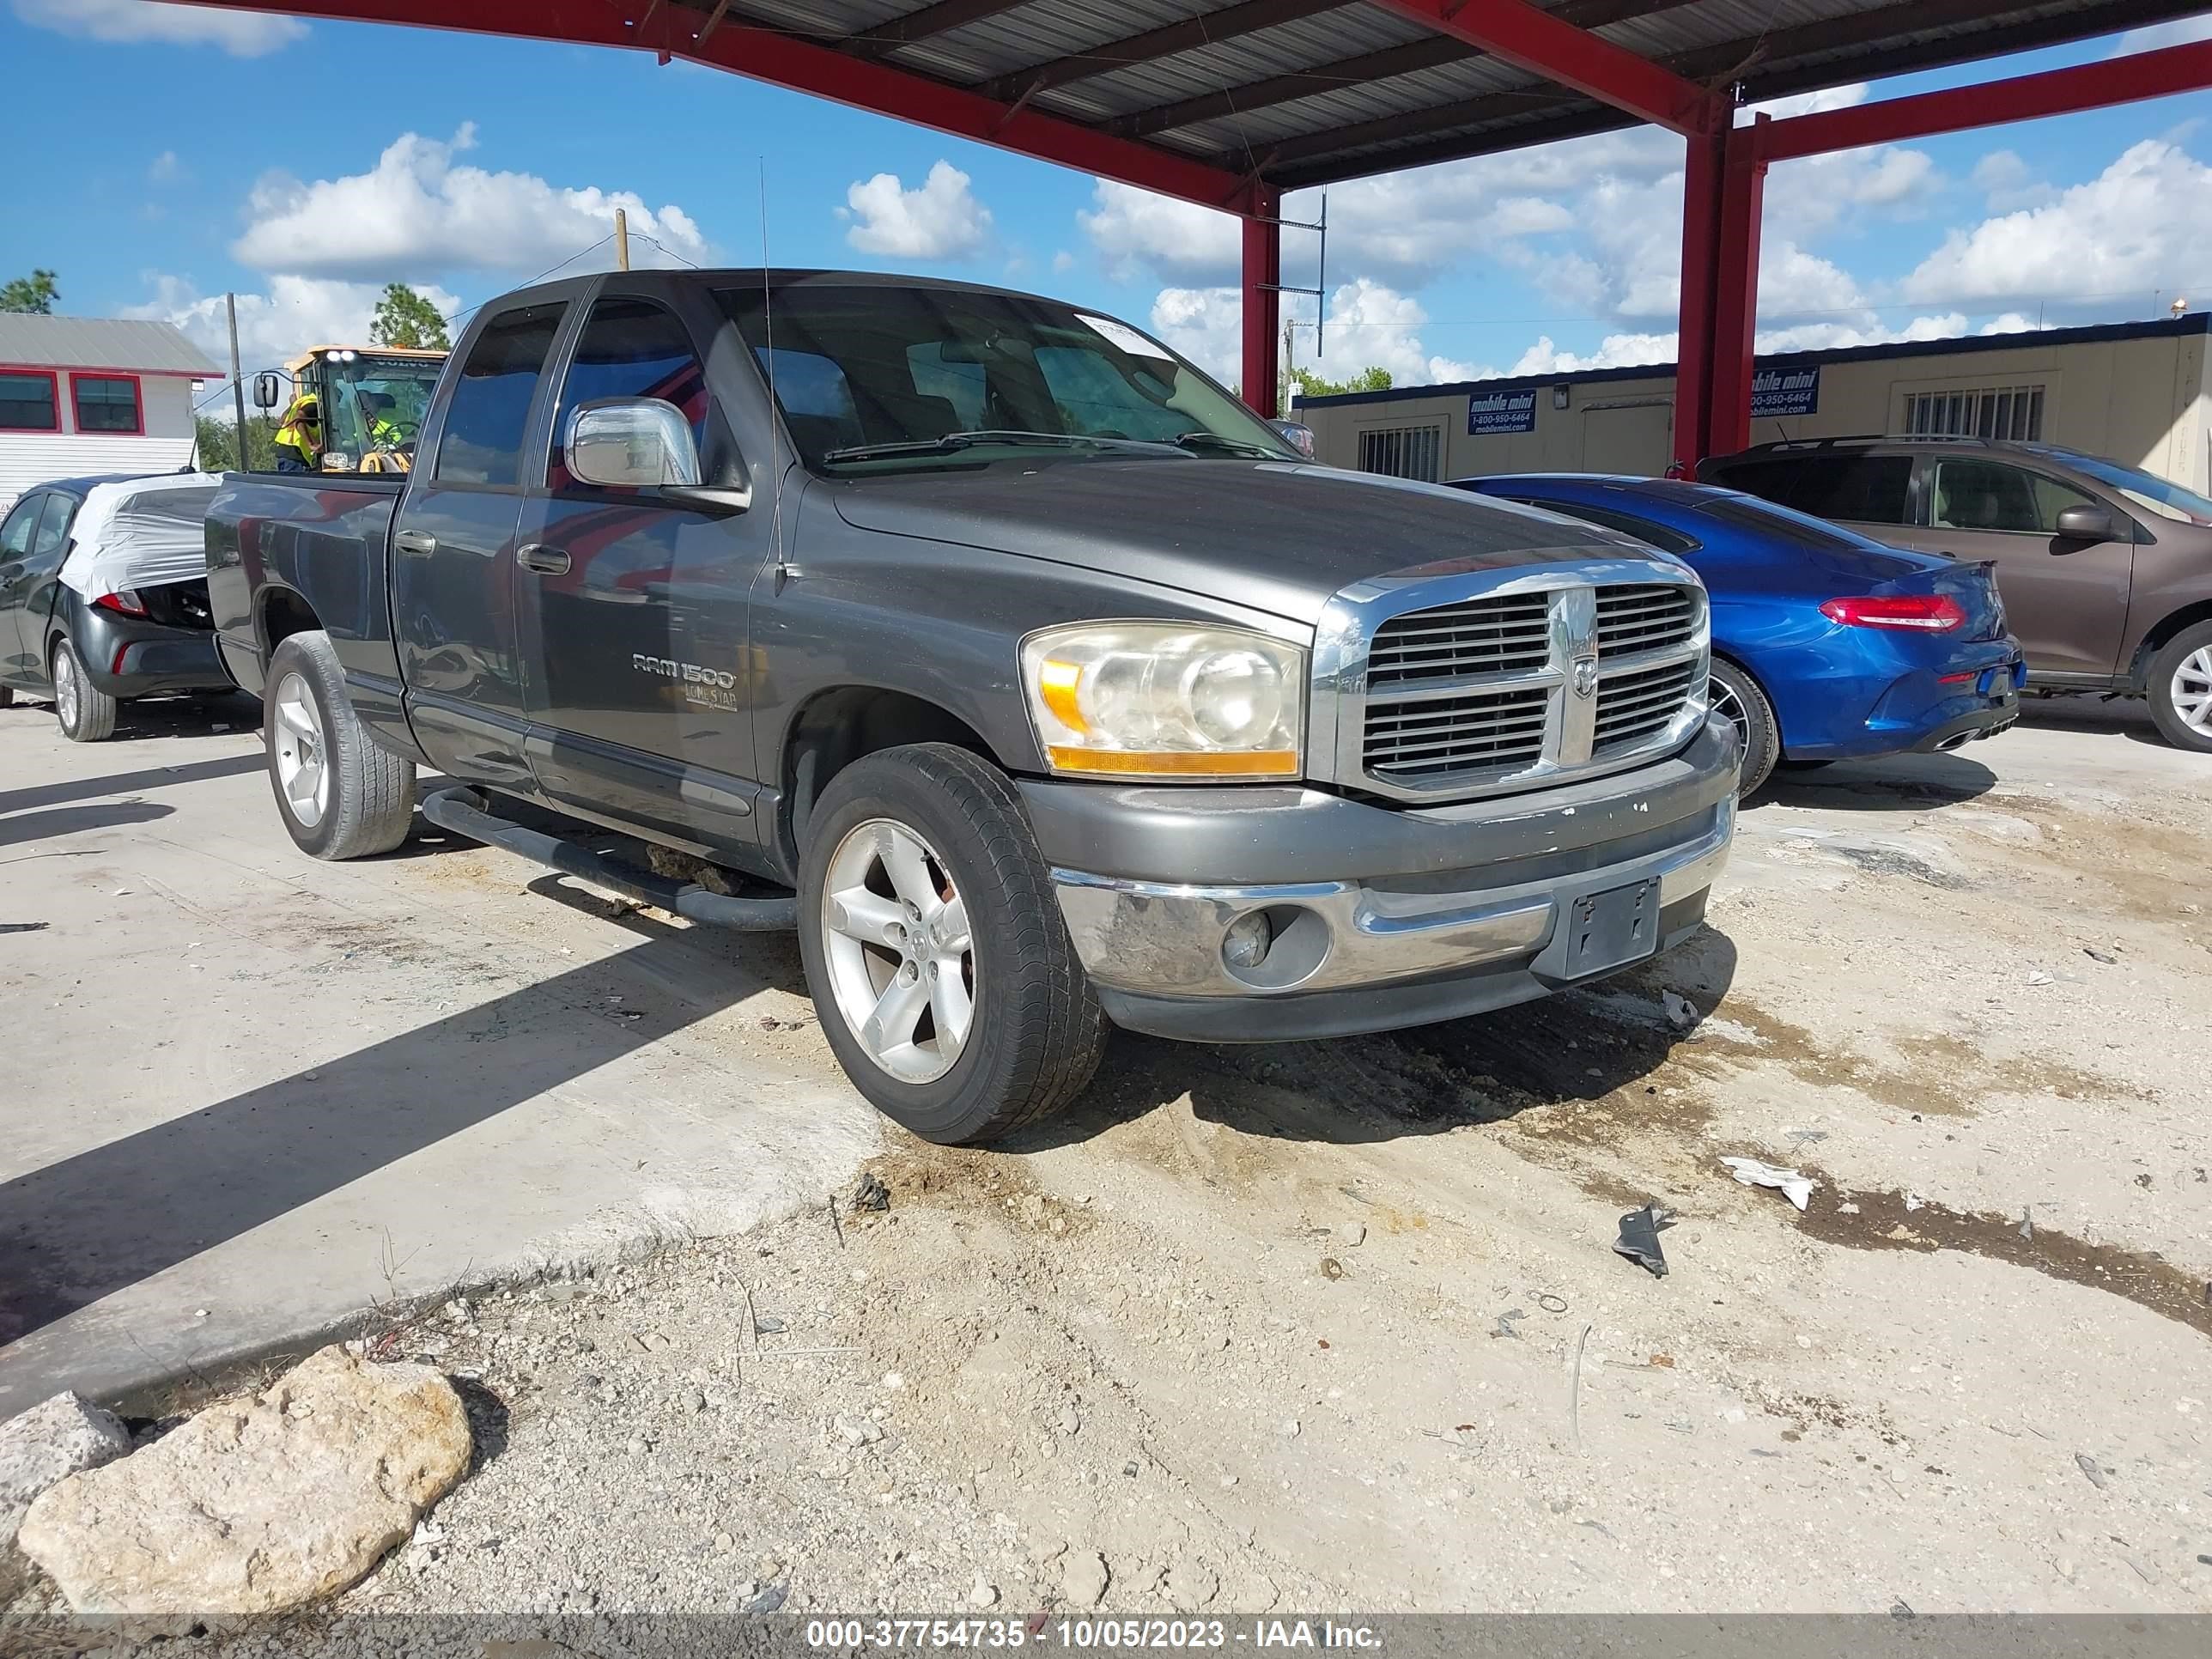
[[1278, 536]]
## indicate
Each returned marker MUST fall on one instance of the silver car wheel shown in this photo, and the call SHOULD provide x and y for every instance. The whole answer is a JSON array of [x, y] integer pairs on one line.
[[302, 770], [896, 939], [69, 686], [2192, 690], [1725, 703]]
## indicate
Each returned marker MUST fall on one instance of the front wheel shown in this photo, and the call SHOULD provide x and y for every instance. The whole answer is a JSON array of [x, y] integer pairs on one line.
[[1737, 695], [935, 951], [341, 796], [86, 714], [2181, 689]]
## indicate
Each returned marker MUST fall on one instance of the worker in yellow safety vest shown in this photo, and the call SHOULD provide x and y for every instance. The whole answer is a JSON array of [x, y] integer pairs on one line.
[[299, 439]]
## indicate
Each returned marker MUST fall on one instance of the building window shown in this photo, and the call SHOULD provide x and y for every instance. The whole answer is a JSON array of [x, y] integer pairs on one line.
[[28, 401], [107, 403], [2001, 411], [1402, 452]]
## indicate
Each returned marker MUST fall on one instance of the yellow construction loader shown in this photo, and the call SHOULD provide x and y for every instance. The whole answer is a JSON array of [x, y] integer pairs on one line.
[[372, 400]]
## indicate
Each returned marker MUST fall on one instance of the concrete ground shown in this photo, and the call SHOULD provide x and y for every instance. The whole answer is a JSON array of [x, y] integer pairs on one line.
[[246, 1094], [1298, 1326]]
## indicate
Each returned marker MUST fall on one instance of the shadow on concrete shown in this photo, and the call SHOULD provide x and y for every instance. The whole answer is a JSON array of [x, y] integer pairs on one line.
[[127, 783], [172, 717], [1427, 1080], [87, 1226], [2117, 717], [1894, 783], [22, 829]]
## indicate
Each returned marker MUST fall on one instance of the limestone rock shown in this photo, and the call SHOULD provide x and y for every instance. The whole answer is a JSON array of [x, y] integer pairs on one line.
[[262, 1504], [48, 1443]]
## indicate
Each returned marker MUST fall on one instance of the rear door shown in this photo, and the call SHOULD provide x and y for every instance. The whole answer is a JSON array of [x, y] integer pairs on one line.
[[634, 606], [18, 662], [453, 574], [2067, 601]]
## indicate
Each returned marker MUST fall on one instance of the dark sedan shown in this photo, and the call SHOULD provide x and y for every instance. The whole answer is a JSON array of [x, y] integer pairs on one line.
[[92, 655]]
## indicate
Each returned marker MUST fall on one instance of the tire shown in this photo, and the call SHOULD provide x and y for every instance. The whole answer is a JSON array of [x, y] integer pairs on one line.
[[952, 825], [339, 794], [1737, 695], [85, 712], [2181, 689], [7, 696]]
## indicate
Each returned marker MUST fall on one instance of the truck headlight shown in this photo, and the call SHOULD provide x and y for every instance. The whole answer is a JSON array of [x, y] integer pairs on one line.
[[1165, 700]]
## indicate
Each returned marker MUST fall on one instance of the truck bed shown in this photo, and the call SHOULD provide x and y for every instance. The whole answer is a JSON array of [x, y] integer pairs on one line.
[[318, 540]]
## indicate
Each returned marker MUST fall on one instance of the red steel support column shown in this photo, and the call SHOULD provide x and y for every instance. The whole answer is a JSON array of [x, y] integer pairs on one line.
[[1263, 299], [1735, 291], [1693, 361]]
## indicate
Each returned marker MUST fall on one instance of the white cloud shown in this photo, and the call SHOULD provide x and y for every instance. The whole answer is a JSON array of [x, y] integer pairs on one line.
[[165, 168], [2144, 223], [940, 219], [415, 212], [1062, 263], [240, 33], [1614, 351], [2163, 34], [1369, 325], [294, 313], [1806, 103], [1203, 324], [1137, 232]]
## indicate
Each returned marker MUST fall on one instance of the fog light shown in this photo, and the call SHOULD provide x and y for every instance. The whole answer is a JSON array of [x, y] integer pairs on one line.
[[1249, 939]]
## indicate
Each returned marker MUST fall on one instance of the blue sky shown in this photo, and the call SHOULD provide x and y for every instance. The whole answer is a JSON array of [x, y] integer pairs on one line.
[[304, 165]]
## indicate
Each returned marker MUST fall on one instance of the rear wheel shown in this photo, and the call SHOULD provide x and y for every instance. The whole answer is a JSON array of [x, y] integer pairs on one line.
[[86, 714], [2181, 689], [934, 948], [341, 796], [1737, 695]]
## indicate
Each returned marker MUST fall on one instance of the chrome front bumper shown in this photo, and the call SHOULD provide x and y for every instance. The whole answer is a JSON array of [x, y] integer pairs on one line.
[[1158, 940]]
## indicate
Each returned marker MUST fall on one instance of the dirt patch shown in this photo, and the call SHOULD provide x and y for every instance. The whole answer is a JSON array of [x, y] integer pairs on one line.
[[1882, 1222], [957, 1180], [1888, 861]]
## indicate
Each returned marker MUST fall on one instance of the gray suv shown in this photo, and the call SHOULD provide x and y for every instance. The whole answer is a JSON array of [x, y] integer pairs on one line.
[[2105, 569]]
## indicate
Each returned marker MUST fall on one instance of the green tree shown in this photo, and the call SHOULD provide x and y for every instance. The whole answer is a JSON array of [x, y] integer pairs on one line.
[[218, 444], [403, 318], [35, 293], [1307, 384]]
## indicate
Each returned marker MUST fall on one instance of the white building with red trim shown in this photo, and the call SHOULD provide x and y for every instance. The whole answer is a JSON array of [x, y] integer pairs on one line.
[[81, 396]]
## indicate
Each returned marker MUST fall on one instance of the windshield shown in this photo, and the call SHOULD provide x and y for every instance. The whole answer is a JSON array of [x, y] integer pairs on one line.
[[1785, 523], [2147, 490], [377, 403], [872, 378]]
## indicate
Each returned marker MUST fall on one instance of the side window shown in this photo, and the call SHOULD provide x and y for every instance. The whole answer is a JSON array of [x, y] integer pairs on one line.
[[16, 532], [489, 414], [1986, 495], [1861, 488], [630, 348], [53, 529]]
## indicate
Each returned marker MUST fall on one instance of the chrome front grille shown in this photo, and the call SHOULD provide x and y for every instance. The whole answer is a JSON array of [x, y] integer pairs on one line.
[[1462, 641], [1639, 617], [1425, 741], [1634, 705], [1484, 682]]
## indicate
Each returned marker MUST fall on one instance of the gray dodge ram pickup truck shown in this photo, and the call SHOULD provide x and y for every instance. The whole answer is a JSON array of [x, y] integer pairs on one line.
[[1044, 683]]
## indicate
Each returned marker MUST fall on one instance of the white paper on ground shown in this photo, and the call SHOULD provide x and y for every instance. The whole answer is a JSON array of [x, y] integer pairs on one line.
[[1797, 1187]]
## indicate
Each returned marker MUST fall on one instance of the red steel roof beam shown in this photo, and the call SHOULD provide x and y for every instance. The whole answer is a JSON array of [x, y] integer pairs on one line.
[[1590, 64], [2158, 74]]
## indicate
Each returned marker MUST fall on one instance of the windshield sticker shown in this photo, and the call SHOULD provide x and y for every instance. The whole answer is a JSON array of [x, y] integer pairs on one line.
[[1123, 336]]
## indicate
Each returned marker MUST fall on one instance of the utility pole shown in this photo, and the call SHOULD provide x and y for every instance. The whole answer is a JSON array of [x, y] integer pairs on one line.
[[237, 376], [622, 239]]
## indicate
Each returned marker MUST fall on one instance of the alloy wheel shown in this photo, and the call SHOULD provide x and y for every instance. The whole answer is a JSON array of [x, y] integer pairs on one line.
[[896, 939], [69, 687], [2192, 690], [302, 756], [1724, 702]]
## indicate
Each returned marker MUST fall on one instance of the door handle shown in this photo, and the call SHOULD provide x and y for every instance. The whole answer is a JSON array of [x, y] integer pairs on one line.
[[545, 561], [415, 541]]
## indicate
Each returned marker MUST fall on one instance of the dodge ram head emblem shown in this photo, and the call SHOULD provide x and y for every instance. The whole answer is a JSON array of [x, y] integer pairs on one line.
[[1585, 678]]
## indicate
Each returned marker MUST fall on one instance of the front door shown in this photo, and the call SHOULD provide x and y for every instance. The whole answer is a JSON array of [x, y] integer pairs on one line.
[[2066, 601], [18, 663], [454, 573], [634, 607]]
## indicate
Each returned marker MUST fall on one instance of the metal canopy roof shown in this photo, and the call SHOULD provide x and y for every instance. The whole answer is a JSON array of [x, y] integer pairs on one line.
[[1303, 92]]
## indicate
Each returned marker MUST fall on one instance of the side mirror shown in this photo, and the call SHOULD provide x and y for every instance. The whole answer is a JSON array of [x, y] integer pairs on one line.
[[1299, 434], [2087, 524], [267, 389], [643, 443]]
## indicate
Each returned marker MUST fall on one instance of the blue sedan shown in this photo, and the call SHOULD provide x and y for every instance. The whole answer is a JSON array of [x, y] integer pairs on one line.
[[1826, 644]]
